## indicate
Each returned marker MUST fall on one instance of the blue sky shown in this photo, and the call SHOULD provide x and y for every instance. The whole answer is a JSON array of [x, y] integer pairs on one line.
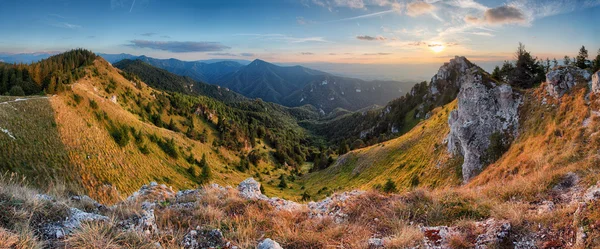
[[304, 31]]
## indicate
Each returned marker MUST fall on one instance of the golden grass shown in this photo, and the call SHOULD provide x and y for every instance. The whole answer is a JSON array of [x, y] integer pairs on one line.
[[417, 158]]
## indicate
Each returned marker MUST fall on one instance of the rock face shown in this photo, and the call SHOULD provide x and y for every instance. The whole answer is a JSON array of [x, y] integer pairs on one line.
[[561, 79], [596, 82], [484, 108]]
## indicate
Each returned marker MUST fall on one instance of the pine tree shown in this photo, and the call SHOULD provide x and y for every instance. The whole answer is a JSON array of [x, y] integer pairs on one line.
[[567, 60], [547, 65], [554, 63], [206, 174], [596, 62], [581, 60], [282, 184], [496, 73], [528, 70]]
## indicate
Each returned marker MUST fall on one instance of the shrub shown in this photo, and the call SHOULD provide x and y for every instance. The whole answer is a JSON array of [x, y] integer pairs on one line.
[[93, 104], [77, 98], [169, 147], [120, 133], [389, 186]]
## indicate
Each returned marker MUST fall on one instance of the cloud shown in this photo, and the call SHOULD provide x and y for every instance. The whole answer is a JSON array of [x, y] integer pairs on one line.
[[466, 4], [285, 38], [332, 54], [165, 36], [307, 53], [91, 37], [300, 20], [416, 44], [500, 15], [222, 54], [377, 53], [371, 38], [504, 14], [419, 8], [247, 54], [353, 4], [179, 46], [148, 34], [66, 25], [364, 16]]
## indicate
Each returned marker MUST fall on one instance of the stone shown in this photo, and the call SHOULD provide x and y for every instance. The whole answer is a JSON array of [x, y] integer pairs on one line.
[[268, 244], [64, 228], [494, 233], [147, 221], [484, 108], [592, 193], [561, 79], [375, 243], [250, 189], [596, 82]]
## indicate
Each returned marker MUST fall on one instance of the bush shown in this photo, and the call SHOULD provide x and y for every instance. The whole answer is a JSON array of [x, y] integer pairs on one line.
[[389, 186], [77, 98], [120, 133], [169, 147], [93, 104]]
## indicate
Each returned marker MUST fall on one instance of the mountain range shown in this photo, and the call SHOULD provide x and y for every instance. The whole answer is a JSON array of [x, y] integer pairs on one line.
[[290, 86]]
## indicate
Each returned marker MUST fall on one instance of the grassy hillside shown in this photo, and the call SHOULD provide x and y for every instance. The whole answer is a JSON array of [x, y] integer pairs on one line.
[[101, 136], [417, 158]]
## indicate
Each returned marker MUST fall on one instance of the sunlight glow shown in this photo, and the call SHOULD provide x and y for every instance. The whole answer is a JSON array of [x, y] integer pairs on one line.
[[437, 48]]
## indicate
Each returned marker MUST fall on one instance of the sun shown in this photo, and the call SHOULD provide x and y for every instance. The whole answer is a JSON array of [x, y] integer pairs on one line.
[[436, 48]]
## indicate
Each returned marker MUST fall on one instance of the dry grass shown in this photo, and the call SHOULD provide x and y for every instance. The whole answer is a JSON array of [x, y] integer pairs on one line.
[[95, 235]]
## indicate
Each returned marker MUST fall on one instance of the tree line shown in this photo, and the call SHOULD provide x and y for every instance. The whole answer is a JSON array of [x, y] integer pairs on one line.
[[47, 76]]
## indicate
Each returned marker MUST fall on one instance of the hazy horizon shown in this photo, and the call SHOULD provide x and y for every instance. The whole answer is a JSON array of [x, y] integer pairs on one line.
[[360, 38]]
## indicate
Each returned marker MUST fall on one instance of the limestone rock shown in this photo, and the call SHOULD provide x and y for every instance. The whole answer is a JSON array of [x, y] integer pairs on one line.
[[493, 233], [484, 108], [268, 244], [596, 82], [561, 79], [205, 239], [375, 243], [250, 189], [61, 229]]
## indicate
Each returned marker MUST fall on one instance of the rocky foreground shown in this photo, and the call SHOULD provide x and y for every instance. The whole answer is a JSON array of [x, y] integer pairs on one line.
[[158, 217]]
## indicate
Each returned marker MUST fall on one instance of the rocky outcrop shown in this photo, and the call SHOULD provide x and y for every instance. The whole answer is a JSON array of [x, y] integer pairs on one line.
[[64, 228], [595, 85], [330, 206], [484, 108], [199, 238], [561, 79], [493, 233]]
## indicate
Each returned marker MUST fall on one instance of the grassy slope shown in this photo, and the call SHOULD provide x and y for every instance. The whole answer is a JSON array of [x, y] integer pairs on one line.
[[411, 158], [59, 137], [552, 141]]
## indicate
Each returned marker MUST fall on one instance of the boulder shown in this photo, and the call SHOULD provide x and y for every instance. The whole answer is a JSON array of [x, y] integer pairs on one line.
[[268, 244], [375, 243], [250, 189], [60, 230], [205, 239], [561, 79], [596, 82], [484, 108]]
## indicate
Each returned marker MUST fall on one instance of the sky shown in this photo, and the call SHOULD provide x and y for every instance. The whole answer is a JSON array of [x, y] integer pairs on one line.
[[310, 32]]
